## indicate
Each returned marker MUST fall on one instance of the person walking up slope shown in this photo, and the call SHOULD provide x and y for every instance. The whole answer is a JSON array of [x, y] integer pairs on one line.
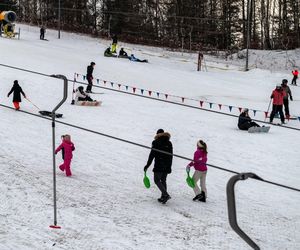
[[295, 77], [17, 94], [68, 146], [162, 162], [277, 96], [199, 163]]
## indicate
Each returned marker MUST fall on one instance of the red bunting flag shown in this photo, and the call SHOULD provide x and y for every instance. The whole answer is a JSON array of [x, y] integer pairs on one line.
[[133, 89], [220, 106], [201, 103], [119, 85], [266, 114], [240, 109], [104, 82], [182, 99], [166, 95], [149, 91]]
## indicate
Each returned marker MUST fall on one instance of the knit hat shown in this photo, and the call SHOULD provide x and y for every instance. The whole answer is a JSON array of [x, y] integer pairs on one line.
[[245, 110], [200, 144], [92, 63], [16, 81], [160, 131]]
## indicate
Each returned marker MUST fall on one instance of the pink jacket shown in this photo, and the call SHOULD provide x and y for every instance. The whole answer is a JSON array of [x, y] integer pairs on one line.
[[200, 159], [68, 147]]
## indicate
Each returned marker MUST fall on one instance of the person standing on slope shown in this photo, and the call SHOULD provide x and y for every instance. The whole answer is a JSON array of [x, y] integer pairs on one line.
[[288, 94], [89, 77], [199, 163], [17, 94], [68, 146], [277, 96], [162, 162], [295, 77]]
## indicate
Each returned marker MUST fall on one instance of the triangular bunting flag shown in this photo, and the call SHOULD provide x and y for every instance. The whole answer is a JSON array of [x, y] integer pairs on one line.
[[230, 108], [220, 106], [83, 78], [142, 91], [77, 75], [157, 94], [210, 105], [126, 88], [149, 91], [266, 114], [98, 81], [166, 95], [201, 103], [112, 84], [104, 82], [133, 89], [240, 109], [119, 85], [299, 118], [182, 99]]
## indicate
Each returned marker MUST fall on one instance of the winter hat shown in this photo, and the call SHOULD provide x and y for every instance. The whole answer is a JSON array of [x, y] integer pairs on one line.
[[200, 144], [92, 63], [16, 82], [160, 131], [284, 82], [245, 110]]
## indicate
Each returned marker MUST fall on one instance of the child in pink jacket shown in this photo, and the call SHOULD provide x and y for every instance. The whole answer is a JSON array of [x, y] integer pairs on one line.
[[68, 147], [199, 163]]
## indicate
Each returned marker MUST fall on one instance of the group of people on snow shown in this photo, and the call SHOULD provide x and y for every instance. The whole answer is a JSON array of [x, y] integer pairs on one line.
[[163, 165], [122, 54]]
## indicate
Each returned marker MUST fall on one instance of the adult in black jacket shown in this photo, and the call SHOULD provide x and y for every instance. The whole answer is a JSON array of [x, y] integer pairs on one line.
[[245, 121], [162, 162], [17, 94], [89, 77]]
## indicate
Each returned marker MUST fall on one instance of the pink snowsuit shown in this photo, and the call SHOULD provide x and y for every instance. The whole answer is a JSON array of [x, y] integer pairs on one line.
[[68, 147]]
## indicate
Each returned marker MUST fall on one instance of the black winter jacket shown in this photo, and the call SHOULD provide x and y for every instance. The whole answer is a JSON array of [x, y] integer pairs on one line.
[[90, 70], [162, 162], [17, 92], [243, 120]]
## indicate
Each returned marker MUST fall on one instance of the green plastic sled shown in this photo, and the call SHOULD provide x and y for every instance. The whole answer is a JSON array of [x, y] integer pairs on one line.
[[146, 181], [190, 180]]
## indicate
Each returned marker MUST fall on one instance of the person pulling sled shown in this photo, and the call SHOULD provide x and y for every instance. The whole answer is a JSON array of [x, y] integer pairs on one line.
[[17, 90]]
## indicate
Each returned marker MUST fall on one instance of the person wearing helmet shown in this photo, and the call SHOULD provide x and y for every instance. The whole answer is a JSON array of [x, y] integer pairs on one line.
[[277, 96], [245, 121], [89, 77], [288, 94]]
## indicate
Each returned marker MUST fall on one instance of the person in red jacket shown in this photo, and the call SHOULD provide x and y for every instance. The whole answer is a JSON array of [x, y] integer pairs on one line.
[[295, 74], [68, 146], [277, 96]]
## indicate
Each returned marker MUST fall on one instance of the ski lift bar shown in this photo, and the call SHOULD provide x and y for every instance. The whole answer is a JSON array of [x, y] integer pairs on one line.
[[232, 208], [65, 95]]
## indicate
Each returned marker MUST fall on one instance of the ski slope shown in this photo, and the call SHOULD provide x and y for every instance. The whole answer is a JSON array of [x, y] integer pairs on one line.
[[104, 205]]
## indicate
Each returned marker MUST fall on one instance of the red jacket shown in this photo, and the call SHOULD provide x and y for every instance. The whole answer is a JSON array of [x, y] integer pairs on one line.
[[277, 96], [295, 73]]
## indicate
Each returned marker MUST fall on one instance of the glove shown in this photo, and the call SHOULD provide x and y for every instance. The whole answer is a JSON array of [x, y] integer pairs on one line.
[[145, 168], [291, 98], [188, 168]]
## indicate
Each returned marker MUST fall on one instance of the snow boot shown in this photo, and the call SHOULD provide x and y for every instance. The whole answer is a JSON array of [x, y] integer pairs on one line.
[[197, 197], [202, 197], [165, 199]]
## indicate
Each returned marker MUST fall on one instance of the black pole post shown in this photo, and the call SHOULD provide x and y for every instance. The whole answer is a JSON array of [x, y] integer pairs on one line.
[[59, 19], [65, 95]]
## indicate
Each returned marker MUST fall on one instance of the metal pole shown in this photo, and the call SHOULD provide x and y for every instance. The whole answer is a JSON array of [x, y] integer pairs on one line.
[[58, 19], [248, 33], [232, 208], [65, 95]]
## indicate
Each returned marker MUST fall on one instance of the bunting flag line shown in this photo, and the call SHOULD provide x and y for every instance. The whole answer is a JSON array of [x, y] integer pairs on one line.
[[201, 102]]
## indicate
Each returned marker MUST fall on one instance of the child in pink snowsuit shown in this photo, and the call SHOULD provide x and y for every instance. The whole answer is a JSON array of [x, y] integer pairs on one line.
[[68, 147]]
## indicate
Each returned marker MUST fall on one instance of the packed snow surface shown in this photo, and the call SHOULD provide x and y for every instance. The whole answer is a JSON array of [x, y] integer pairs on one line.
[[104, 205]]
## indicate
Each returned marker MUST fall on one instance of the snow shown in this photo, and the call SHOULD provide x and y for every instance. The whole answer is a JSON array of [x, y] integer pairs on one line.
[[104, 204]]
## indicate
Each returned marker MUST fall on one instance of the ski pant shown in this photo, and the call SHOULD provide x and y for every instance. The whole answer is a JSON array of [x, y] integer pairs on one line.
[[42, 36], [160, 180], [286, 107], [114, 48], [90, 83], [294, 80], [247, 125], [200, 175], [66, 166], [275, 109], [17, 105]]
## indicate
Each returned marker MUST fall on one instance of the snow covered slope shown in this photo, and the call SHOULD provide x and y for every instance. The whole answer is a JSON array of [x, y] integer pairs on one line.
[[104, 204]]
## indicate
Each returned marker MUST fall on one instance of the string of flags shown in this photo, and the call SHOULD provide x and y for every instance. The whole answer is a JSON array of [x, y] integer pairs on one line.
[[150, 93]]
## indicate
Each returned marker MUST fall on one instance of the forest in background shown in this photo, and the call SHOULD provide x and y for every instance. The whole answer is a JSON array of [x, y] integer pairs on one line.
[[206, 25]]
